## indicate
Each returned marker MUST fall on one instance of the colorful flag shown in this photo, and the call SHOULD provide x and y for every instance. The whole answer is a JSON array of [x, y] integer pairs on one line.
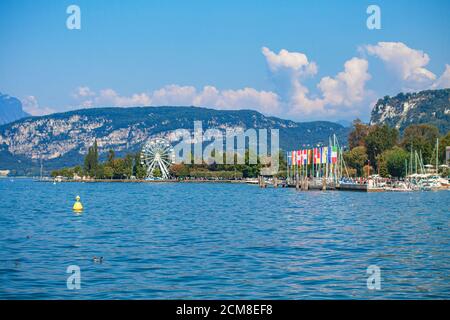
[[319, 155], [305, 156], [294, 162], [324, 155], [329, 152], [289, 159], [316, 155], [334, 155], [299, 158]]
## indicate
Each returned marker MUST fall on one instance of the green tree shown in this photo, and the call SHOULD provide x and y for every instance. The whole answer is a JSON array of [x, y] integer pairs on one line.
[[64, 172], [382, 168], [95, 156], [443, 143], [128, 166], [356, 158], [78, 170], [249, 170], [358, 134], [394, 161], [378, 140], [108, 172], [100, 172], [282, 163], [111, 155], [351, 172], [179, 170], [421, 138], [55, 173], [91, 160], [119, 168], [88, 161], [157, 173], [138, 170]]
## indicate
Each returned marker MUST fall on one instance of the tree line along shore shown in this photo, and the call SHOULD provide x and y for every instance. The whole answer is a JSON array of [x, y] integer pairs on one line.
[[371, 149]]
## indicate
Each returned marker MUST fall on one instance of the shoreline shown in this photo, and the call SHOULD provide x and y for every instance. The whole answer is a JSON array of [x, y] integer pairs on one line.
[[144, 181], [280, 184]]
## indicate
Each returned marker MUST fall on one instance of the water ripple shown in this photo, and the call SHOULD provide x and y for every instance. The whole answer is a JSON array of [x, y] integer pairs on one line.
[[220, 241]]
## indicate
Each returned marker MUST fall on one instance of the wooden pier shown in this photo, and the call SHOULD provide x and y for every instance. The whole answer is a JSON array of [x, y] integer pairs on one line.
[[304, 184], [360, 187]]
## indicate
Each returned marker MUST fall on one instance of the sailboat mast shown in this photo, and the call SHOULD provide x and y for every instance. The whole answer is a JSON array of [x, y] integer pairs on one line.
[[411, 159], [437, 154], [287, 166], [415, 160], [406, 168]]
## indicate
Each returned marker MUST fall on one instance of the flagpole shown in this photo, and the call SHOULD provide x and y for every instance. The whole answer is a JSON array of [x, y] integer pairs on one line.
[[295, 164], [329, 158], [307, 162], [337, 156], [306, 165], [287, 167]]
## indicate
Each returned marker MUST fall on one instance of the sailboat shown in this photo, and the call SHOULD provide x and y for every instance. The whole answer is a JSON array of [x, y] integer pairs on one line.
[[428, 179]]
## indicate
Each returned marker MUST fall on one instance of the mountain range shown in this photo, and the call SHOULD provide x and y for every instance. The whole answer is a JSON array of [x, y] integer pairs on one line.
[[62, 139]]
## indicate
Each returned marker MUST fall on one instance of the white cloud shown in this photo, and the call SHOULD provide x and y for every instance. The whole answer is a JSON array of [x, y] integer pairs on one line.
[[31, 106], [343, 95], [176, 95], [109, 97], [409, 64], [444, 80], [295, 61], [339, 94], [83, 92], [348, 87], [264, 101]]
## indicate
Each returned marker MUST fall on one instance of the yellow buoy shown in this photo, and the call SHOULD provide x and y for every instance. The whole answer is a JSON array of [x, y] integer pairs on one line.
[[77, 206]]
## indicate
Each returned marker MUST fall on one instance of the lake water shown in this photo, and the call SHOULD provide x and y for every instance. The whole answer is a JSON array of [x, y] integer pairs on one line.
[[194, 241]]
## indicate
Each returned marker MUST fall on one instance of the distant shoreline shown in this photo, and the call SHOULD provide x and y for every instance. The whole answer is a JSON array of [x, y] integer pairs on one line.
[[146, 181]]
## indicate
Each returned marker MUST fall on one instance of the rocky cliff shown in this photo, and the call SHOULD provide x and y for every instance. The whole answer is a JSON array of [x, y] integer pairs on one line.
[[431, 106]]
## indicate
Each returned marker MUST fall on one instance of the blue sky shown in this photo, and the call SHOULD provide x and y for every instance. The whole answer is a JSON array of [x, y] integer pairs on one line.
[[210, 53]]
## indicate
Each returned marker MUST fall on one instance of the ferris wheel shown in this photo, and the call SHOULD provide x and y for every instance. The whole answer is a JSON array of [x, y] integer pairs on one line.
[[157, 153]]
